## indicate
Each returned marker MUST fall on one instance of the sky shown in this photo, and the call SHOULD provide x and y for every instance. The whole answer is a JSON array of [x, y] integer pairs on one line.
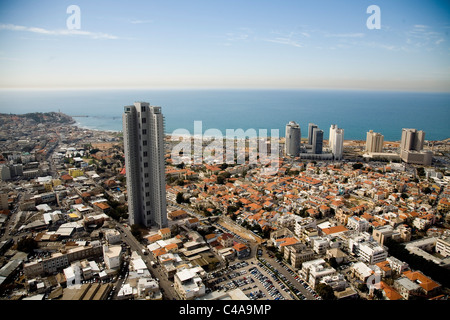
[[225, 44]]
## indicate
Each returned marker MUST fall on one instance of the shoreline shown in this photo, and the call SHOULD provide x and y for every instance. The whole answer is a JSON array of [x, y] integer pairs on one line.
[[174, 137]]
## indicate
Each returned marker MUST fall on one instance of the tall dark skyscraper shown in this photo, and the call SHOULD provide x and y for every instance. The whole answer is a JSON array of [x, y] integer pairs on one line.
[[317, 141], [143, 135], [311, 127]]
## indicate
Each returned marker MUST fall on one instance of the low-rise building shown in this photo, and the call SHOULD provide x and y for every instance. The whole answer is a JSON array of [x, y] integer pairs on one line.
[[188, 284], [358, 224], [297, 254], [382, 233], [242, 251], [314, 271], [112, 256], [443, 246], [406, 288]]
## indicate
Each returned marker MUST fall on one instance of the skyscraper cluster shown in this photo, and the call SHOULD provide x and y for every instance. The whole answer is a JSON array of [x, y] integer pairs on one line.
[[143, 133], [314, 146]]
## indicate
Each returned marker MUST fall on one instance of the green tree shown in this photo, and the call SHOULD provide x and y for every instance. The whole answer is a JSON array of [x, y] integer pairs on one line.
[[325, 291], [180, 198], [136, 231], [27, 245], [333, 263], [426, 190], [220, 179], [357, 166]]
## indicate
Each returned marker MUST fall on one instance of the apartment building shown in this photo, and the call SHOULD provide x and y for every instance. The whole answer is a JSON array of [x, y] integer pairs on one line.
[[143, 128], [59, 260], [188, 284], [443, 246], [314, 271], [297, 254], [382, 233]]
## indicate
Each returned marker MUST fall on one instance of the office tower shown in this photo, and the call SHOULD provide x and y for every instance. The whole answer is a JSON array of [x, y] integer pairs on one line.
[[333, 129], [317, 141], [412, 140], [374, 141], [337, 142], [293, 139], [143, 135], [311, 127], [411, 148]]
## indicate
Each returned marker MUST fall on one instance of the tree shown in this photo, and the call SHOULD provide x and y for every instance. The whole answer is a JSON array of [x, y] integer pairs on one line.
[[325, 291], [136, 231], [27, 245], [378, 294], [181, 165], [357, 166], [421, 172], [427, 190], [333, 263], [231, 209], [220, 179], [180, 198]]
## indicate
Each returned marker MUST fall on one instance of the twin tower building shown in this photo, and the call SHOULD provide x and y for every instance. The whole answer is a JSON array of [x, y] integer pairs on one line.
[[314, 147]]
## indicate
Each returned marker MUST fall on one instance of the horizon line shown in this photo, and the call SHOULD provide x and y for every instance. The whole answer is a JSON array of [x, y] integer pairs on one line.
[[223, 88]]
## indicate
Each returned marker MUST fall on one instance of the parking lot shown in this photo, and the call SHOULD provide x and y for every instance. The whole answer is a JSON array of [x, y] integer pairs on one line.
[[252, 278]]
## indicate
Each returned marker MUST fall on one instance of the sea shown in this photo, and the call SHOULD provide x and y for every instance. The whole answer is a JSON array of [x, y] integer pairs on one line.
[[355, 111]]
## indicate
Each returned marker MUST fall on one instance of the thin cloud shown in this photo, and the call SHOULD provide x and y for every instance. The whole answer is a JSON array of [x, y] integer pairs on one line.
[[286, 41], [241, 35], [422, 36], [345, 35], [141, 21], [61, 32]]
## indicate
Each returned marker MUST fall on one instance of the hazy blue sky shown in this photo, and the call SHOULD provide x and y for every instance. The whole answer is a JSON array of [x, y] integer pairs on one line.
[[226, 44]]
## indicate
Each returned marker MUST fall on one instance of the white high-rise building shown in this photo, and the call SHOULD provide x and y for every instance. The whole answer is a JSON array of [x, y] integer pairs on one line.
[[374, 142], [143, 135], [333, 129], [336, 141], [292, 139]]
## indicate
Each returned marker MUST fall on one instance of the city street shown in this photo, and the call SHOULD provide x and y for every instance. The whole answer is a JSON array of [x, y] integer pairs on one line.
[[165, 284]]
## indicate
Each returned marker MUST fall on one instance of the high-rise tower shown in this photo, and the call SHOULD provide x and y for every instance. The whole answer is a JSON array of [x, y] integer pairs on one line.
[[143, 135], [411, 148], [336, 141], [317, 140], [374, 141], [311, 127], [293, 138]]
